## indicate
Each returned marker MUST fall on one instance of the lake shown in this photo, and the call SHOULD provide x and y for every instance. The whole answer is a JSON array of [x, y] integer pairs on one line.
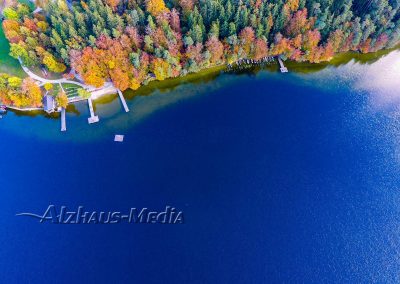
[[281, 178]]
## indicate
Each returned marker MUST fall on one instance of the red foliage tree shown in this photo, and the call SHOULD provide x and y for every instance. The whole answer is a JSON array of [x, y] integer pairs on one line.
[[298, 23], [260, 49], [216, 49], [194, 52], [135, 37], [175, 20]]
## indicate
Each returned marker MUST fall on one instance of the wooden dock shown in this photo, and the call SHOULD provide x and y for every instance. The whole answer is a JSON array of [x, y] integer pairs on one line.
[[63, 120], [121, 97], [93, 118], [282, 67]]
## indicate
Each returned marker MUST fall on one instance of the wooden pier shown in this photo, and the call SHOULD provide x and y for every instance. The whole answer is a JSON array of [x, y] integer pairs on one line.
[[121, 97], [63, 120], [282, 67], [93, 118]]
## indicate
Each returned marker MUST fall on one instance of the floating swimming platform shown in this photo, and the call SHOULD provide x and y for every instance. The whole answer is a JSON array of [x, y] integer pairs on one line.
[[119, 138]]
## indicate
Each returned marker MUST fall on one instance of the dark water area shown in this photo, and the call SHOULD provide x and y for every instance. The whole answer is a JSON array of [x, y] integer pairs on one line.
[[281, 178]]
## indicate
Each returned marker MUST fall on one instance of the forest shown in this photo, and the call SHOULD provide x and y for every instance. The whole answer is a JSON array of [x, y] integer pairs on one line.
[[131, 42]]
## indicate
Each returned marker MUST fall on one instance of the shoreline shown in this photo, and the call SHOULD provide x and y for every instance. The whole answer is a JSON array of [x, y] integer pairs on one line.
[[338, 59], [98, 94], [108, 90], [24, 109]]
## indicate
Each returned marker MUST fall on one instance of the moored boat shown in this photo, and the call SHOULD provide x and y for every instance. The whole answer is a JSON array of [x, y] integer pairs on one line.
[[3, 109]]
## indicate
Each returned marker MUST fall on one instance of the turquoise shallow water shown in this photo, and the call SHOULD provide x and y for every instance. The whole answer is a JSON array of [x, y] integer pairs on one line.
[[281, 177]]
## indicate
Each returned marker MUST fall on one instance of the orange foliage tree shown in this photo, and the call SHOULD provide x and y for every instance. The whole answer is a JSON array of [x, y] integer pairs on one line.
[[298, 23], [32, 92], [246, 38]]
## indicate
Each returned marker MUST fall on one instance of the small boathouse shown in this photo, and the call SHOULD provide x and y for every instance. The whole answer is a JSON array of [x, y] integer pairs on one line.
[[49, 104]]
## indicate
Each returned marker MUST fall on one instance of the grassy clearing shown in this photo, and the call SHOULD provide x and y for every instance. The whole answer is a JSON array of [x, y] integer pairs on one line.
[[70, 89], [7, 63]]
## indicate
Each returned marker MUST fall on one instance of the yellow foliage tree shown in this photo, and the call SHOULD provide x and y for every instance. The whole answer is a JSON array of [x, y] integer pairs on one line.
[[293, 5], [52, 63], [156, 7], [42, 26], [14, 82], [93, 78], [160, 69], [48, 86], [62, 99], [134, 84]]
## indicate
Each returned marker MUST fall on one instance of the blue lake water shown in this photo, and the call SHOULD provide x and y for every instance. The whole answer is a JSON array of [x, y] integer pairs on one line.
[[282, 178]]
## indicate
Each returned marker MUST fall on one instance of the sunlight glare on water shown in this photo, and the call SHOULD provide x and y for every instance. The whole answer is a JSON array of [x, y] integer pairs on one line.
[[379, 79], [382, 80]]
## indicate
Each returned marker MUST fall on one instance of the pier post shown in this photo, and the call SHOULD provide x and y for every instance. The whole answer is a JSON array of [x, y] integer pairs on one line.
[[121, 97], [282, 67], [63, 120], [93, 118]]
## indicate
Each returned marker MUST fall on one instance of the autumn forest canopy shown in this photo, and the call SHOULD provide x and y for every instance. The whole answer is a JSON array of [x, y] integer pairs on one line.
[[131, 42]]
